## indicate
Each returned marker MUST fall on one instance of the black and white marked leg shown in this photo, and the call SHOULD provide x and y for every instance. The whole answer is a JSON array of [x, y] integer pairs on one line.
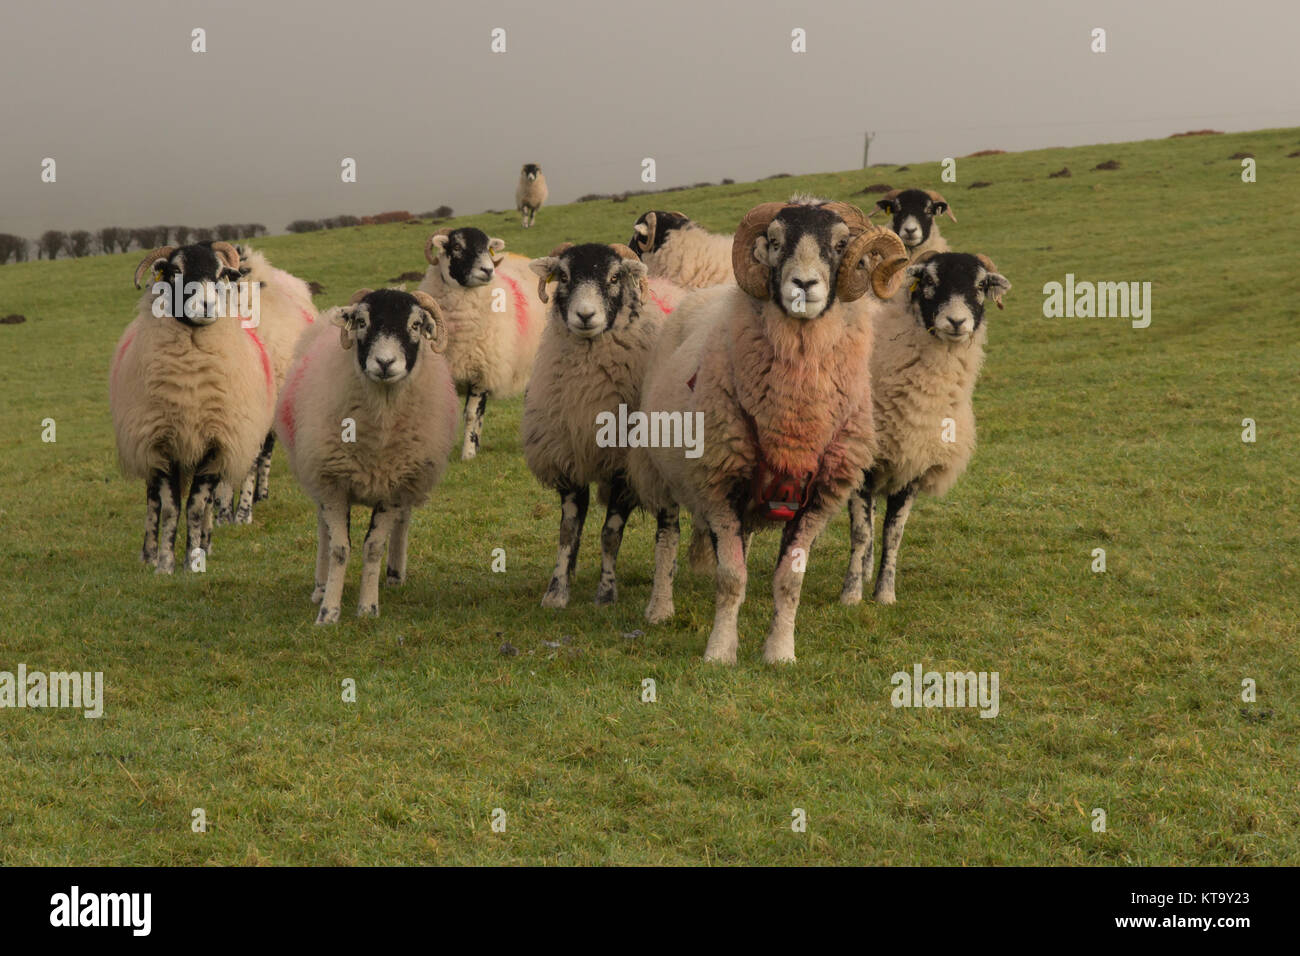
[[322, 556], [153, 503], [244, 510], [397, 548], [862, 521], [787, 581], [372, 558], [262, 487], [475, 404], [573, 513], [223, 503], [169, 513], [897, 507], [667, 534], [337, 515], [621, 503], [729, 592], [196, 515]]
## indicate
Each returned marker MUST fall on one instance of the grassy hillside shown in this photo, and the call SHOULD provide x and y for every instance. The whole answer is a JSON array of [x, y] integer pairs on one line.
[[1120, 691]]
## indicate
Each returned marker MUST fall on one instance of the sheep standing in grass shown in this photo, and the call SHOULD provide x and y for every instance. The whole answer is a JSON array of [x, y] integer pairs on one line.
[[929, 347], [778, 369], [367, 418], [913, 213], [598, 336], [677, 249], [531, 193], [494, 318], [192, 392]]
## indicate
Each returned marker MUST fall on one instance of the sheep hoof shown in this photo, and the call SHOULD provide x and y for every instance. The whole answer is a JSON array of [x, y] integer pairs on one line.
[[260, 494], [658, 613], [556, 598], [149, 559], [368, 610], [719, 658], [327, 615], [467, 453], [884, 597], [606, 595], [779, 657], [851, 594], [244, 516], [318, 594], [394, 577], [166, 564]]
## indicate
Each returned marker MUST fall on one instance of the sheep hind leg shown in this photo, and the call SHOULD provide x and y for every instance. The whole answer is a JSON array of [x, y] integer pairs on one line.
[[862, 522], [223, 503], [397, 548], [153, 505], [322, 556], [667, 534], [573, 513], [196, 515], [897, 507], [475, 405], [336, 516], [621, 503], [169, 510], [244, 512], [262, 485], [730, 580], [700, 553], [787, 581], [381, 526]]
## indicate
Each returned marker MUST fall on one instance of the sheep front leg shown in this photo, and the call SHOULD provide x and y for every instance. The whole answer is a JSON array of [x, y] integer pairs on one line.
[[787, 581], [475, 405], [897, 507], [862, 525], [262, 485], [573, 513], [153, 505], [336, 515], [322, 556], [667, 534], [169, 511], [397, 548], [621, 503], [244, 512], [196, 515], [730, 579], [381, 525]]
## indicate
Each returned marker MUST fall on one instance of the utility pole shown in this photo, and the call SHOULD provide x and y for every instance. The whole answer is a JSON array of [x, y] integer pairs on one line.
[[866, 147]]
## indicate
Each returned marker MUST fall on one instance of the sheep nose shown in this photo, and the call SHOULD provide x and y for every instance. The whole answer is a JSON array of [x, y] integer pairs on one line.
[[385, 364], [585, 315], [806, 284], [956, 324]]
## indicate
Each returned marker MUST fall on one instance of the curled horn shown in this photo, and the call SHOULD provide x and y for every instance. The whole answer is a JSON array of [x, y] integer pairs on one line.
[[228, 253], [542, 280], [987, 263], [751, 275], [162, 252], [650, 221], [936, 197], [359, 295], [874, 259], [438, 341], [622, 251], [852, 216], [428, 245]]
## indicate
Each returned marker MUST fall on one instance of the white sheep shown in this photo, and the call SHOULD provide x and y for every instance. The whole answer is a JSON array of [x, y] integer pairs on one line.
[[192, 391], [494, 318], [598, 336], [914, 212], [681, 251], [367, 418], [929, 347], [777, 369], [531, 193]]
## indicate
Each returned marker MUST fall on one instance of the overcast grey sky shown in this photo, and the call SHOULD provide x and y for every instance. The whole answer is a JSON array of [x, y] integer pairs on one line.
[[144, 131]]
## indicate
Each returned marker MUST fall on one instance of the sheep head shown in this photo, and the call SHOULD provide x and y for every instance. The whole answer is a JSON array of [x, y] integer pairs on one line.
[[913, 212], [594, 285], [467, 256], [387, 328], [652, 229], [948, 291], [806, 254]]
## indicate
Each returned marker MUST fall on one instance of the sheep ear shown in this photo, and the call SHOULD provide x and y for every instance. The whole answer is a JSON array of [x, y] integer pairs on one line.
[[437, 246], [883, 205], [760, 251], [996, 286], [545, 269], [496, 249], [939, 209], [343, 319]]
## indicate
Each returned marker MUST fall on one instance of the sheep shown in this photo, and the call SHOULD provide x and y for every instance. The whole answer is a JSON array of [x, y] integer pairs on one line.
[[494, 318], [675, 248], [285, 311], [914, 212], [368, 420], [776, 371], [589, 365], [929, 346], [192, 392], [531, 193]]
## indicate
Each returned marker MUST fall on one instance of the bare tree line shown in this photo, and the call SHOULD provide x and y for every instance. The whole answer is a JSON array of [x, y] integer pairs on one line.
[[110, 239]]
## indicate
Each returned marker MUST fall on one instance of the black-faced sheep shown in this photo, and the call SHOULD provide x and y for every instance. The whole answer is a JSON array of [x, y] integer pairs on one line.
[[929, 347], [598, 335], [368, 417], [494, 318], [778, 369], [531, 193], [913, 213], [192, 391], [677, 249]]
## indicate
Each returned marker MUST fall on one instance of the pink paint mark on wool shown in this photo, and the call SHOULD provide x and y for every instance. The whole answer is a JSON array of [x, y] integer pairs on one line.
[[266, 360], [307, 317], [664, 307], [290, 394], [121, 350], [521, 304]]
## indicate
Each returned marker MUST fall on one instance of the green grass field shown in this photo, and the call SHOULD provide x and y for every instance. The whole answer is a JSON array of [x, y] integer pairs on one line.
[[1120, 691]]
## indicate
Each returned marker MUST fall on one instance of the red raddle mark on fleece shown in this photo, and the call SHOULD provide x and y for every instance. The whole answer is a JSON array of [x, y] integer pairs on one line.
[[121, 350], [521, 304], [664, 307], [290, 393], [307, 316], [266, 360]]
